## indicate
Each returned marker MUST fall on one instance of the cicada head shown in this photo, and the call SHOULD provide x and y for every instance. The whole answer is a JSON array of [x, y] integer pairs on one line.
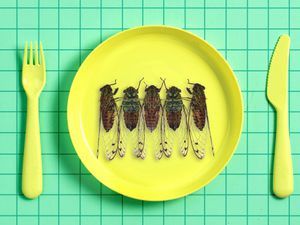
[[173, 92], [198, 88], [130, 92], [106, 89], [152, 89]]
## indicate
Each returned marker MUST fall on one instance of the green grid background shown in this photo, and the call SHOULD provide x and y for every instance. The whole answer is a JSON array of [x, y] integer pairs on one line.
[[245, 32]]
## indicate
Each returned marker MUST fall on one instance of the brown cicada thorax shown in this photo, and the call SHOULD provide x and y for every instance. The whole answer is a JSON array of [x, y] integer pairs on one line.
[[198, 105], [108, 106], [149, 117], [108, 112], [152, 106], [199, 128]]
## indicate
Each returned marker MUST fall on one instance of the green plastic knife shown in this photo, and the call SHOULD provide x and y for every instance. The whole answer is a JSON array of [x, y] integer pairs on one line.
[[277, 92]]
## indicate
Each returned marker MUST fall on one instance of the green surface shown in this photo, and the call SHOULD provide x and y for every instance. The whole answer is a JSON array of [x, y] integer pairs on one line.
[[245, 32]]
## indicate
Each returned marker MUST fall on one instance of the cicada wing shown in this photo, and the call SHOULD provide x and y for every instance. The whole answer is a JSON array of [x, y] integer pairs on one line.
[[183, 132], [176, 139], [140, 148], [200, 139], [98, 139], [208, 131], [153, 139], [122, 130], [108, 141], [167, 143], [127, 137]]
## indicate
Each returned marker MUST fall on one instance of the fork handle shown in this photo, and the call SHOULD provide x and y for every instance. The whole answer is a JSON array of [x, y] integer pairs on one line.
[[32, 161], [283, 182]]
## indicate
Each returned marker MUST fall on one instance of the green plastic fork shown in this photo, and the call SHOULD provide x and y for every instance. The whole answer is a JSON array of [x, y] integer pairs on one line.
[[33, 80]]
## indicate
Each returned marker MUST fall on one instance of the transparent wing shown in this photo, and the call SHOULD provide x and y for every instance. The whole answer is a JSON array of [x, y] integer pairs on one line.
[[122, 131], [152, 140], [208, 131], [165, 139], [140, 149], [200, 140], [108, 141], [184, 132], [178, 139], [99, 130], [127, 138]]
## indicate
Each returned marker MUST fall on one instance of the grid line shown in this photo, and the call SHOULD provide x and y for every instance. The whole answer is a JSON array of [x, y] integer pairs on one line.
[[289, 96], [80, 172], [164, 21], [17, 121], [268, 55], [39, 105], [226, 33], [153, 7], [58, 121], [122, 26], [247, 119], [204, 35], [101, 39], [188, 28]]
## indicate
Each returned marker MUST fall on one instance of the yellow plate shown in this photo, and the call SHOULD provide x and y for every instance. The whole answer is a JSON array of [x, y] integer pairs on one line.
[[153, 52]]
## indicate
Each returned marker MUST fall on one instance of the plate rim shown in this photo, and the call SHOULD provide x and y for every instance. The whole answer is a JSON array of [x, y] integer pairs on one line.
[[159, 196]]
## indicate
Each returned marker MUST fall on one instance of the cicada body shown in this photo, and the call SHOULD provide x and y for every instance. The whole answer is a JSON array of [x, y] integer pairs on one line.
[[131, 107], [199, 129], [174, 123], [107, 107], [130, 112], [108, 122], [150, 118], [198, 106], [173, 107], [152, 107]]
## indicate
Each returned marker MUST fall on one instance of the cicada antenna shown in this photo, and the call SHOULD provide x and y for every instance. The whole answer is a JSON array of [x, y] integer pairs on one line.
[[113, 83], [189, 81], [145, 84], [140, 83], [164, 83]]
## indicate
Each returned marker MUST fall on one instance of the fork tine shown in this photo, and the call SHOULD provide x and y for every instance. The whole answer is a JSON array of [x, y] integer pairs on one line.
[[30, 54], [36, 57], [25, 54], [42, 55]]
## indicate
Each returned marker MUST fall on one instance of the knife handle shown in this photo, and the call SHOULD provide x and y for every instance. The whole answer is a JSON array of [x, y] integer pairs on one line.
[[283, 182]]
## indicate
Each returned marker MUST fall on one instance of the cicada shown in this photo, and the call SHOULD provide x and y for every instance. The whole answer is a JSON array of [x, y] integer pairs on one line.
[[199, 128], [129, 114], [150, 118], [108, 122], [175, 124]]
